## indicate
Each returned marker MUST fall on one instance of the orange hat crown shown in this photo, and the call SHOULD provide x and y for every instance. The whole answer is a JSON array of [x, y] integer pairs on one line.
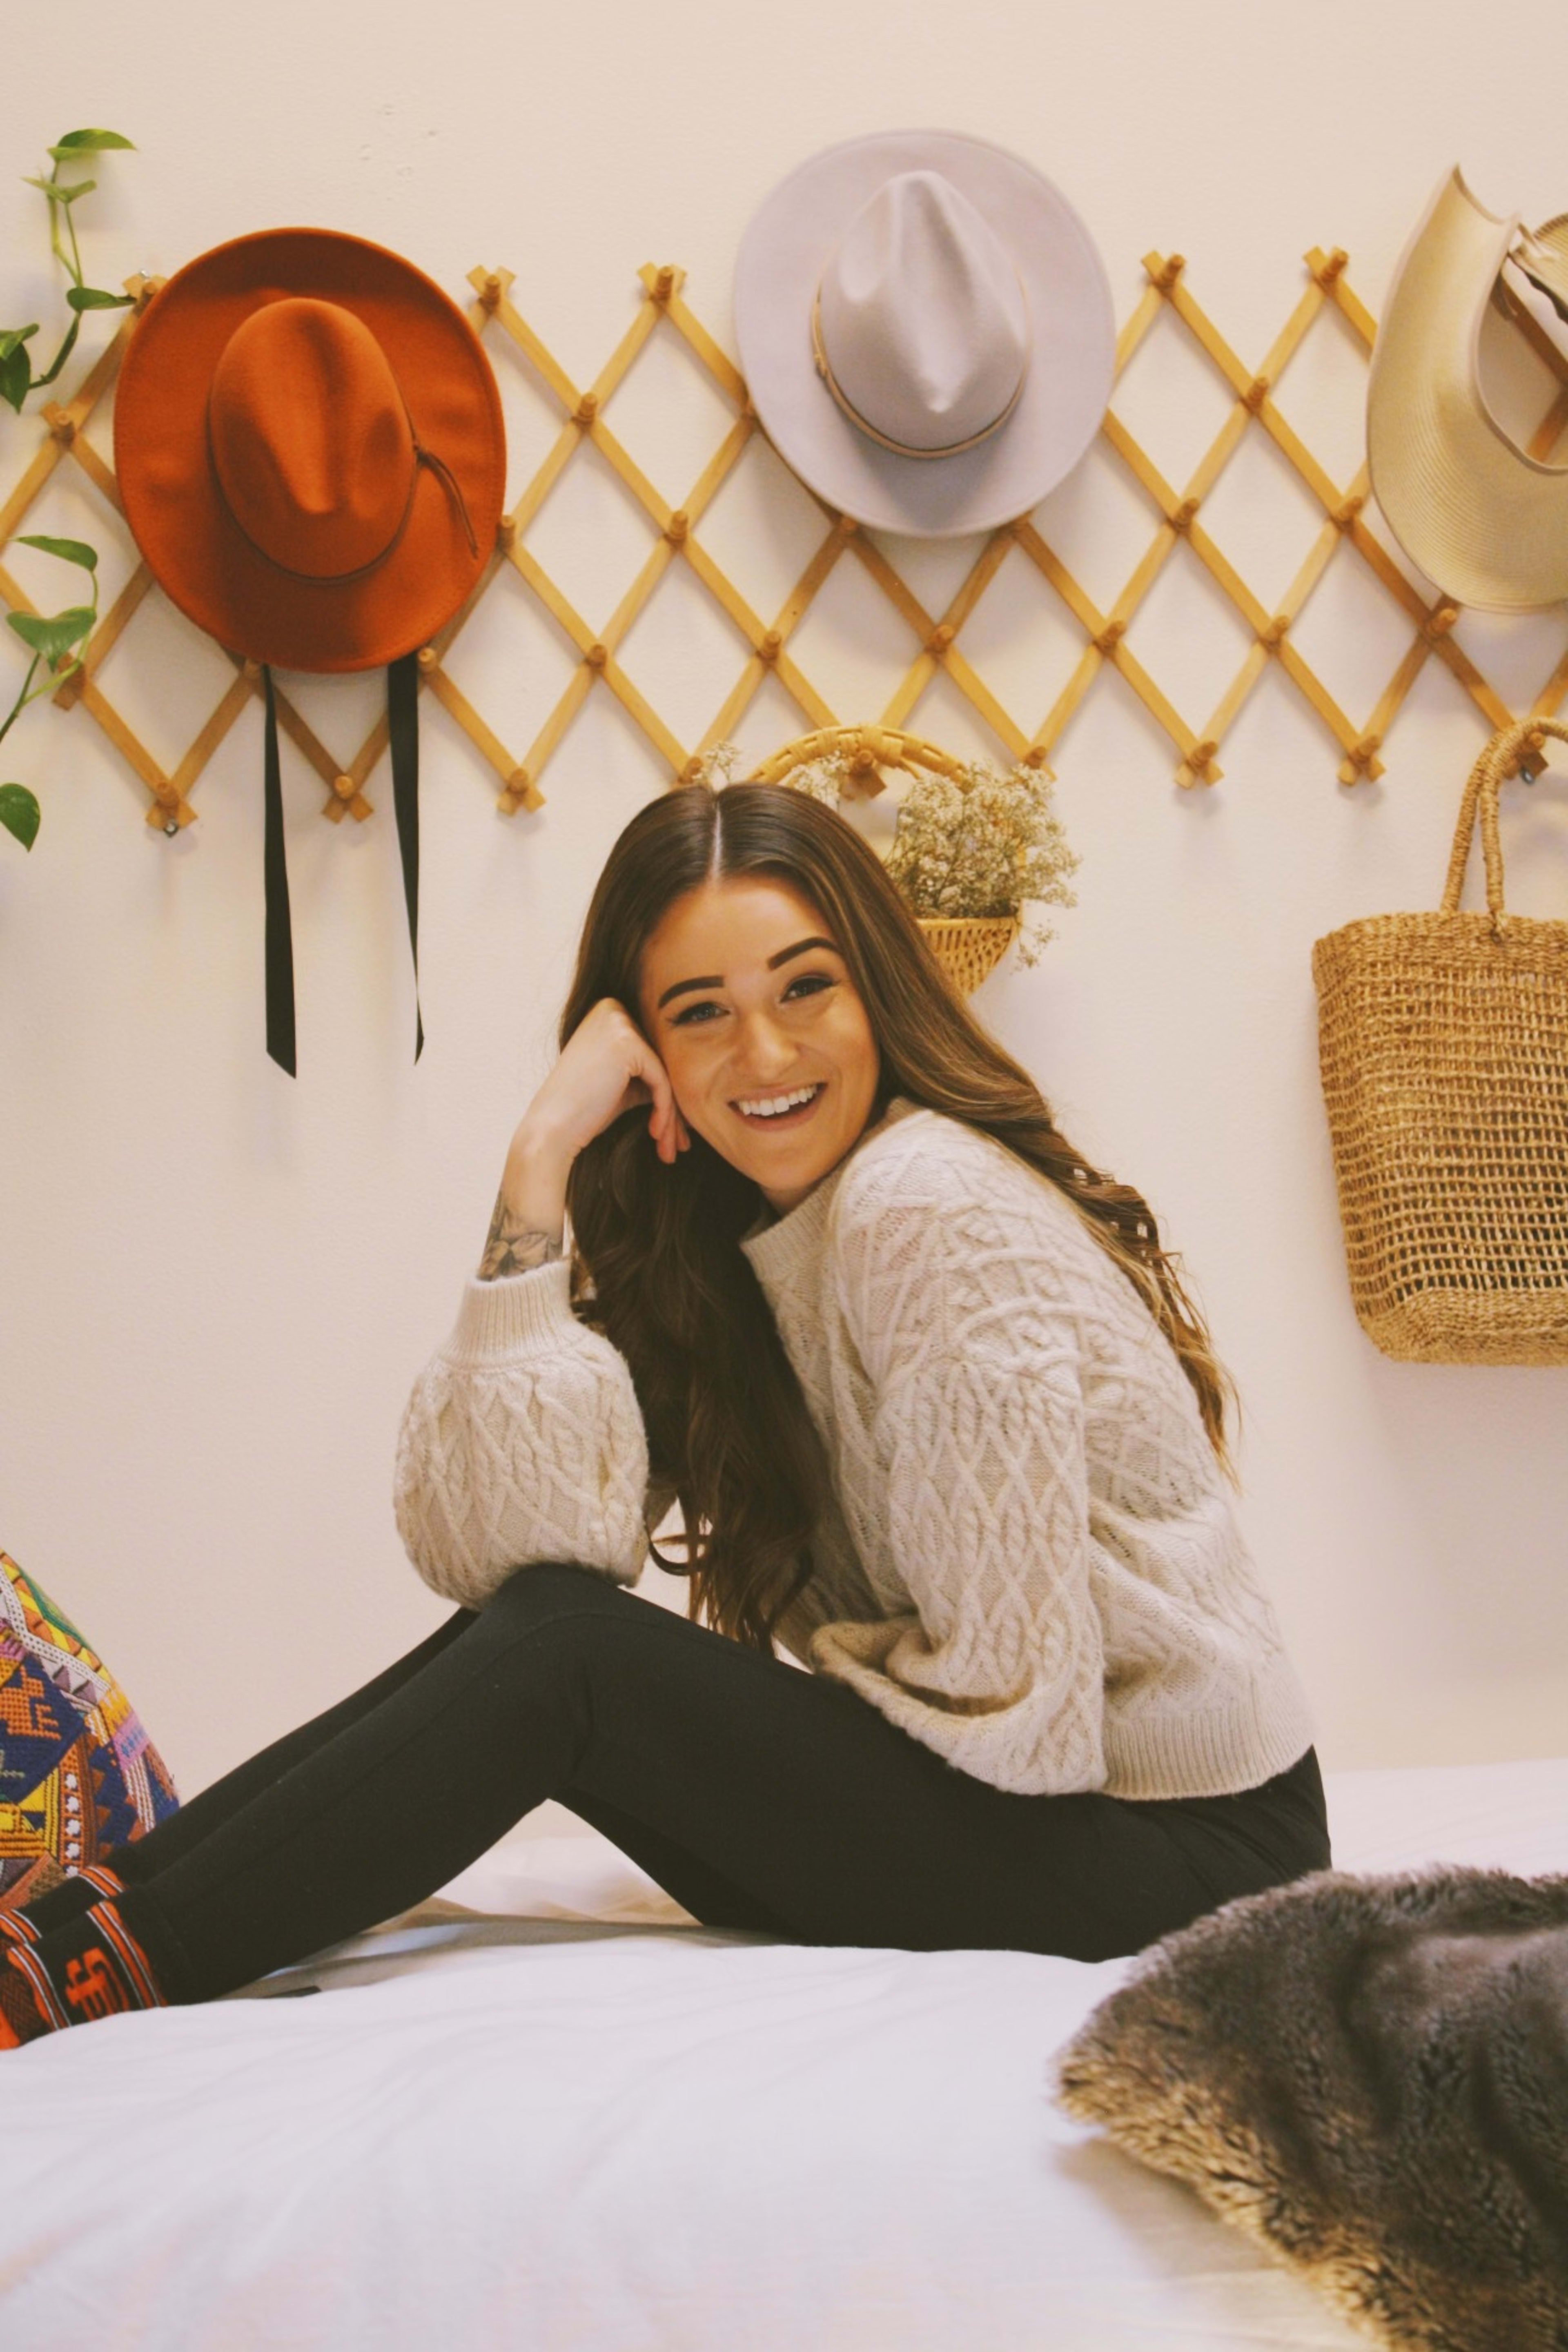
[[311, 439]]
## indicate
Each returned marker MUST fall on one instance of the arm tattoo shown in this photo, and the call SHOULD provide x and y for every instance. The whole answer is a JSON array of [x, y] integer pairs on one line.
[[513, 1248]]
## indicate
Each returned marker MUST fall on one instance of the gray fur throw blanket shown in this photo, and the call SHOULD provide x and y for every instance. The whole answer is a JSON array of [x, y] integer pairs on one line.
[[1369, 2075]]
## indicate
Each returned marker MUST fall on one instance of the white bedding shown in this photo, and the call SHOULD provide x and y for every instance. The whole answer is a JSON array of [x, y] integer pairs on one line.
[[597, 2127]]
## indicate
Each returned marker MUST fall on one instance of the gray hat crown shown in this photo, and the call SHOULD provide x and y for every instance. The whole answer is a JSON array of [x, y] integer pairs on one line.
[[923, 320]]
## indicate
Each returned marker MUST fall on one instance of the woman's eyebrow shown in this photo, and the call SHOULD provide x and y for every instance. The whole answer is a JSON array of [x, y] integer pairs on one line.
[[716, 979]]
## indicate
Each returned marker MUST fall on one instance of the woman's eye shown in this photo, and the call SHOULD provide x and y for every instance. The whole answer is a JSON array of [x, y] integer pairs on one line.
[[812, 983]]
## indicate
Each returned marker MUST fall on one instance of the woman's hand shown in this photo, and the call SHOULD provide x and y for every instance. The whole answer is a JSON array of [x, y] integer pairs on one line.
[[606, 1067]]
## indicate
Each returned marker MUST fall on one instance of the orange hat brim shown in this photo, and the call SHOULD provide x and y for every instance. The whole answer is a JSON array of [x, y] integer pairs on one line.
[[192, 544]]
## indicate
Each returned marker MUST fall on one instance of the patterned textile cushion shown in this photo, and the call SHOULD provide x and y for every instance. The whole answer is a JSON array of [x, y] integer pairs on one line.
[[78, 1773]]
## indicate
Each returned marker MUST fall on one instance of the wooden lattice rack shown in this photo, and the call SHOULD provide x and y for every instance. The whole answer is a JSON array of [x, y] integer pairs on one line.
[[935, 636]]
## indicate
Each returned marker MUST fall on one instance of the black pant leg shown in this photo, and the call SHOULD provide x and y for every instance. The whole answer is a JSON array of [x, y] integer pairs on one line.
[[786, 1786], [211, 1807], [695, 1885]]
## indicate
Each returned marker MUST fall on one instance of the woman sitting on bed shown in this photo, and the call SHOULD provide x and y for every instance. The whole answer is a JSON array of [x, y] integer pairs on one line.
[[939, 1421]]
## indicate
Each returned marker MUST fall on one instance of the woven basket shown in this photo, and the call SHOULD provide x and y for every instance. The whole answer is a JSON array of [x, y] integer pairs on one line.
[[967, 946], [1442, 1040]]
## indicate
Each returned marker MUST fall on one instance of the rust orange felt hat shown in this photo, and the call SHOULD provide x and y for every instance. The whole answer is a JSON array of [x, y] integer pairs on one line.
[[309, 446], [312, 455]]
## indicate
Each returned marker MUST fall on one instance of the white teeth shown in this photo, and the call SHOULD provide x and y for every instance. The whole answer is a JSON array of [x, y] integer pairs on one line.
[[773, 1105]]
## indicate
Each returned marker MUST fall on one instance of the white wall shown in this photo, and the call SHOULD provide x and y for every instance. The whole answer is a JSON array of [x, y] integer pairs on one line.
[[216, 1285]]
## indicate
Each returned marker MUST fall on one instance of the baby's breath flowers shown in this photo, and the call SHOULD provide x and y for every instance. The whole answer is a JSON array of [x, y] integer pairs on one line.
[[984, 842]]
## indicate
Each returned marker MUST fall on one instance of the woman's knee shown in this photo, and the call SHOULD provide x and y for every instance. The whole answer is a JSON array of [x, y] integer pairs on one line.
[[543, 1588]]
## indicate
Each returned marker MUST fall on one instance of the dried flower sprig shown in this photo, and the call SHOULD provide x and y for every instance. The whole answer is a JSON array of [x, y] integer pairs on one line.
[[981, 842]]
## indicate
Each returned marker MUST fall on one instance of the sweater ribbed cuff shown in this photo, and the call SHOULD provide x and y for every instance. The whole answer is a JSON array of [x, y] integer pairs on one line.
[[512, 1314]]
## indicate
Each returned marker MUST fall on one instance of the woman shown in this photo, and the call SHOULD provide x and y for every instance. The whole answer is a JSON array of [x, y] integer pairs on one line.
[[937, 1413]]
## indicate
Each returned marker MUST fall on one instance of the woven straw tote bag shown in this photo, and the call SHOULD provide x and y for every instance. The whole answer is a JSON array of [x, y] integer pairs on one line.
[[1442, 1040]]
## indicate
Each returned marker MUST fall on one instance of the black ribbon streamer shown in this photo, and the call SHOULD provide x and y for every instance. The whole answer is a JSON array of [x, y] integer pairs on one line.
[[403, 725], [280, 933], [403, 728]]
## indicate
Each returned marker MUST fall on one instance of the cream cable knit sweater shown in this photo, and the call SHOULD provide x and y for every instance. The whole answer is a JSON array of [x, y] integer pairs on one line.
[[1034, 1566]]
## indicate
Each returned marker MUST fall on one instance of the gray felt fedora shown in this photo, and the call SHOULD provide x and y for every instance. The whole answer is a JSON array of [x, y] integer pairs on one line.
[[925, 329]]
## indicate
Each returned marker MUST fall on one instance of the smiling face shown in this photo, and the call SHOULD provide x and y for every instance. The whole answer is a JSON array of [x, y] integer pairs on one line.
[[749, 1004]]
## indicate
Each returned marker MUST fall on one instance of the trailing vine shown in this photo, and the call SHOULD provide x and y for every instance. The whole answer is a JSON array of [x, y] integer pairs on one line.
[[53, 639]]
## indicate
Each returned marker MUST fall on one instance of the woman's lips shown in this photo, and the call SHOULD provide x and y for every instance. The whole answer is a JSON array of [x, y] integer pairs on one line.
[[786, 1119]]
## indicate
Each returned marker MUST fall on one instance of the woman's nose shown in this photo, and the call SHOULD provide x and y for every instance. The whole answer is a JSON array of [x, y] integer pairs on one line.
[[763, 1051]]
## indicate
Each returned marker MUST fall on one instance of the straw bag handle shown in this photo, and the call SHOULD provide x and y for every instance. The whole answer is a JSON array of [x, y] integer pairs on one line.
[[1485, 779]]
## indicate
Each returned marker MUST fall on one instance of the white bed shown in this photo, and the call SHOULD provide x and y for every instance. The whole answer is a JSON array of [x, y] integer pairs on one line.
[[601, 2125]]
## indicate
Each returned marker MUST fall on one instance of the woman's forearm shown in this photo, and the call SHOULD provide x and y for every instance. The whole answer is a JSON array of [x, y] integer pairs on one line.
[[530, 1218]]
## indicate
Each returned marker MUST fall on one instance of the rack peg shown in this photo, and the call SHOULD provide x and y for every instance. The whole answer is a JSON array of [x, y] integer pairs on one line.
[[940, 640], [596, 656], [771, 646], [587, 409], [676, 528], [663, 286], [1256, 393], [428, 658], [1529, 761]]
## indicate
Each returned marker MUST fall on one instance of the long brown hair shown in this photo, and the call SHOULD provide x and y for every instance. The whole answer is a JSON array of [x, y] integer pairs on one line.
[[656, 1262]]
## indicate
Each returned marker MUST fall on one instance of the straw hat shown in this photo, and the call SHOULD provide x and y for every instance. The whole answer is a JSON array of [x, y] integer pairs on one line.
[[309, 442], [1485, 521], [926, 330]]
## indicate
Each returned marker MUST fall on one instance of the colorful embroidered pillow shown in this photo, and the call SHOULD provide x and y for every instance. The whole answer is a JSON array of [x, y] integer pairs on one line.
[[78, 1775]]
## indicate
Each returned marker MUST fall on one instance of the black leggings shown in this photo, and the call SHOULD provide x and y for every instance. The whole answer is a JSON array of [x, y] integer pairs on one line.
[[759, 1796]]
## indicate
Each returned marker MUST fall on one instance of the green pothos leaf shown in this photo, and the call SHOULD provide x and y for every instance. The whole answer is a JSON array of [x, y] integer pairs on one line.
[[19, 813], [93, 297], [87, 142], [70, 550], [53, 636], [15, 377]]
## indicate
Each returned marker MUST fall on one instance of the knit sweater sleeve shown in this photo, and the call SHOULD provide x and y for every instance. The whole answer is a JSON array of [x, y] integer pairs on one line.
[[968, 1339], [522, 1440]]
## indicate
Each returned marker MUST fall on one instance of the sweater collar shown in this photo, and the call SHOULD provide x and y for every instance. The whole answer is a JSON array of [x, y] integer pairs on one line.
[[780, 1246]]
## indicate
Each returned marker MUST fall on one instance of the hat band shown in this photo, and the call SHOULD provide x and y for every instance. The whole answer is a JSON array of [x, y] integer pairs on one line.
[[901, 448], [422, 456]]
